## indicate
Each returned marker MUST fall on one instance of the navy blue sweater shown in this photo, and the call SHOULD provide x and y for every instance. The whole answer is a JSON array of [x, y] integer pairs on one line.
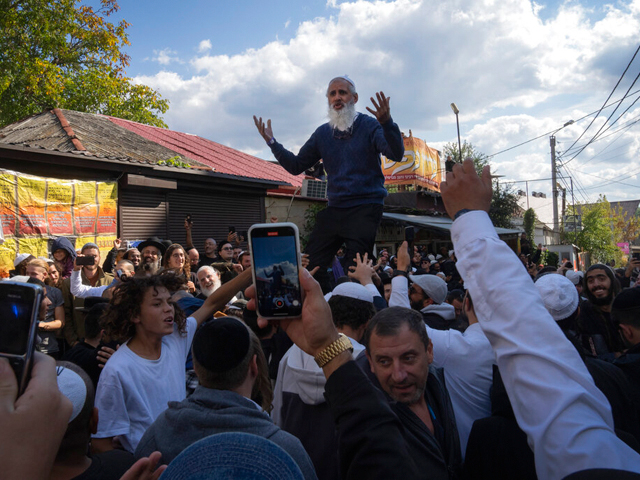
[[352, 164]]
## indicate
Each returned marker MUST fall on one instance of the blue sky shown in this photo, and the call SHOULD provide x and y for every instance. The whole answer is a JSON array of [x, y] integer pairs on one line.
[[515, 68]]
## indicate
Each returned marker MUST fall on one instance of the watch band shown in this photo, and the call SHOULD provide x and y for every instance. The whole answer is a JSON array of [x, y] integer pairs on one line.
[[272, 141], [403, 273], [461, 212], [334, 349]]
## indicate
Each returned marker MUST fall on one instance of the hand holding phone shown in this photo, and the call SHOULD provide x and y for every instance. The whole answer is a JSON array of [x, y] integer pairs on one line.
[[19, 316], [85, 260], [275, 263]]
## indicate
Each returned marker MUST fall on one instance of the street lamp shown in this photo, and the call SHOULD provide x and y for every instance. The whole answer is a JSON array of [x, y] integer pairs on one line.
[[456, 111]]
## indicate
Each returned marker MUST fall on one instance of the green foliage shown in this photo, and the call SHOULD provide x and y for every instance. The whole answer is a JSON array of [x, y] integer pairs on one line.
[[530, 225], [468, 151], [550, 259], [598, 235], [175, 161], [504, 205], [310, 216], [59, 53]]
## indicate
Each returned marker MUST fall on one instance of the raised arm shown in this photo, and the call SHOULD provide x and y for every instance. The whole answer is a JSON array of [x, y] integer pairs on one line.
[[567, 420], [264, 130], [218, 299]]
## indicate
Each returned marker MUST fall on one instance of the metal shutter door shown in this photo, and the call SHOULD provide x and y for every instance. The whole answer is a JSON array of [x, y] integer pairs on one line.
[[143, 214], [212, 215]]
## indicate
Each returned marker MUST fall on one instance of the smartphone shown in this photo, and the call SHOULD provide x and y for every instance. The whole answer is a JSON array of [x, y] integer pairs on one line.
[[19, 314], [636, 255], [87, 260], [189, 218], [232, 229], [409, 235], [275, 260]]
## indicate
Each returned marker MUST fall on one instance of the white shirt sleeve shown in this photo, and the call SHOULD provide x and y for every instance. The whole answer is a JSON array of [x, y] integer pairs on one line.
[[567, 420], [399, 292], [83, 291]]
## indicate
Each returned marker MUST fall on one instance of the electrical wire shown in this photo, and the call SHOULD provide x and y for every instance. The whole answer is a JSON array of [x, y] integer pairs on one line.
[[605, 102]]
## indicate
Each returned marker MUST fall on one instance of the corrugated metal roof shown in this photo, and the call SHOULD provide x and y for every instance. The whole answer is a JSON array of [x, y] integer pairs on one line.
[[438, 223], [223, 159], [99, 136]]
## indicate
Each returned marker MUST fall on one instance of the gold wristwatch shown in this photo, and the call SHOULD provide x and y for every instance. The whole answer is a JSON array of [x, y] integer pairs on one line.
[[333, 350]]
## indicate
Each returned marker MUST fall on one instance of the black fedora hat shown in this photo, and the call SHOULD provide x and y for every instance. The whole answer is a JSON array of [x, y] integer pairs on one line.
[[153, 242]]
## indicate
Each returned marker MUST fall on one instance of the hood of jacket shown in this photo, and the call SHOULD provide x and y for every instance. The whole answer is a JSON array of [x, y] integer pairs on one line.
[[207, 412], [303, 376], [444, 310], [64, 244]]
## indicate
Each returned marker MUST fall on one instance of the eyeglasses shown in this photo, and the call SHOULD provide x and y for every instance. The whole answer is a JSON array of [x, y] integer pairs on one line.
[[227, 248]]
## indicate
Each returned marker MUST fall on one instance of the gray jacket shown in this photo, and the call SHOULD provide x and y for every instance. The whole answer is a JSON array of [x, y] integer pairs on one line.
[[207, 412]]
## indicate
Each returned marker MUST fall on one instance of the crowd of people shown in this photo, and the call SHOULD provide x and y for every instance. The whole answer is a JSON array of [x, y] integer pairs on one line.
[[463, 363]]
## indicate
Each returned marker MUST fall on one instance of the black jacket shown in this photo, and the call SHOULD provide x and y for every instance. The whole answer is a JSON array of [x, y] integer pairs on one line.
[[442, 459], [370, 439]]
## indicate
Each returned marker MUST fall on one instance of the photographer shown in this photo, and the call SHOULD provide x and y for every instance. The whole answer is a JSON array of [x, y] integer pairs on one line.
[[124, 271]]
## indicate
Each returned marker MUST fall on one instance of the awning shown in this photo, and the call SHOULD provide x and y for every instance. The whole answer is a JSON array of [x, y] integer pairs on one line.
[[442, 224]]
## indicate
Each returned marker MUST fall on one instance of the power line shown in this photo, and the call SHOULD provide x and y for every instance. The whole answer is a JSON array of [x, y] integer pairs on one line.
[[607, 120], [558, 129], [605, 102]]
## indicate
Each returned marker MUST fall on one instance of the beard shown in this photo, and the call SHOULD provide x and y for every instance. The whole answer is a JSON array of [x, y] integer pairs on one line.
[[342, 119], [601, 301], [208, 291], [150, 267]]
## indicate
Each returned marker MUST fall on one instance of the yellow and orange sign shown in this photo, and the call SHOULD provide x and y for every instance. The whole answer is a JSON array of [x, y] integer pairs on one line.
[[420, 166], [35, 209]]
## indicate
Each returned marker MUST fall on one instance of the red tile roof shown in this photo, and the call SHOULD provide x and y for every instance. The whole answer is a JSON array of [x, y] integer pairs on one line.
[[222, 159]]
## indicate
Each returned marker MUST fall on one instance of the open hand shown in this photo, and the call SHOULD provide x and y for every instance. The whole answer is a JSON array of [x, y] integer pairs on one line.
[[265, 130], [382, 111]]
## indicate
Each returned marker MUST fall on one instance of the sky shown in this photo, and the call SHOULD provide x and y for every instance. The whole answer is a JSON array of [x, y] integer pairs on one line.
[[516, 69]]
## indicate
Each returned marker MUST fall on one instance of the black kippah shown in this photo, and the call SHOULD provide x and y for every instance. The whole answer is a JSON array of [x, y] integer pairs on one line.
[[221, 344], [627, 298]]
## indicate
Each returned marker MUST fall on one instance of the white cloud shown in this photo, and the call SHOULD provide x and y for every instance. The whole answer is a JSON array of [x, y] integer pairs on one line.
[[513, 74], [204, 46], [165, 56], [287, 23]]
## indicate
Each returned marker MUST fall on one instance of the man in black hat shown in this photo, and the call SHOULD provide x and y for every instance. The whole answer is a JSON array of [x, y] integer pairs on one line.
[[152, 250], [225, 359]]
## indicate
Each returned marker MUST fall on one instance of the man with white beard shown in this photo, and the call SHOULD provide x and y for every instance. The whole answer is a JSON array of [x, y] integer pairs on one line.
[[349, 145], [209, 281]]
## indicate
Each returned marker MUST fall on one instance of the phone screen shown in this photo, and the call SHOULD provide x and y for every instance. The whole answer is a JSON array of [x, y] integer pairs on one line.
[[275, 252], [16, 314]]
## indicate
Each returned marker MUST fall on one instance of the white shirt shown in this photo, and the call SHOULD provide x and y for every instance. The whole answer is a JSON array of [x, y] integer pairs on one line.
[[133, 391], [467, 359], [83, 291], [567, 419]]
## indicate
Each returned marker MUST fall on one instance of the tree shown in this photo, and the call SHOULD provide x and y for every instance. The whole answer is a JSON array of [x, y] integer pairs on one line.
[[58, 53], [597, 236], [468, 151], [504, 203], [626, 228], [529, 224]]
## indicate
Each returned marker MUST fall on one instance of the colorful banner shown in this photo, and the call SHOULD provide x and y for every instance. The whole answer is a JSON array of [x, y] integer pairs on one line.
[[59, 202], [31, 206], [420, 166], [85, 209], [108, 208], [8, 202], [35, 210]]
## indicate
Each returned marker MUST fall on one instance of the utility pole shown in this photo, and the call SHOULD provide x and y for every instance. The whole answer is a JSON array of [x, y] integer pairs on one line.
[[552, 141]]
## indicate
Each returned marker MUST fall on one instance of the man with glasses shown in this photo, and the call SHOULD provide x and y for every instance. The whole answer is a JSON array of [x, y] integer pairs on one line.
[[349, 145]]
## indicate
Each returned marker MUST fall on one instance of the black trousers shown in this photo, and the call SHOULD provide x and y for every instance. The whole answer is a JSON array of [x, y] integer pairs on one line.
[[356, 227]]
